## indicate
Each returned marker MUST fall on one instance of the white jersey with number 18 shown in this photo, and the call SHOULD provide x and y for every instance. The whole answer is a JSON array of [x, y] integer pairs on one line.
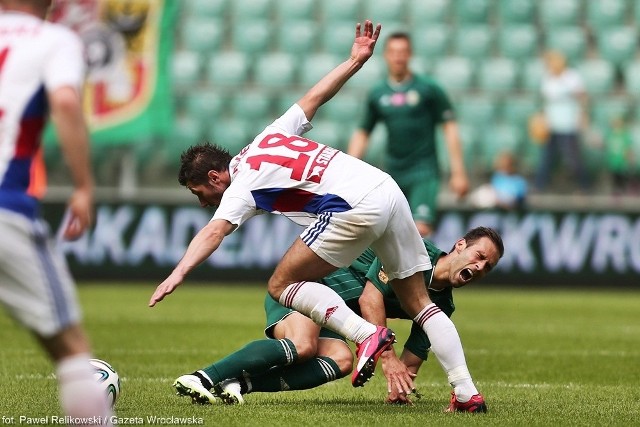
[[283, 173]]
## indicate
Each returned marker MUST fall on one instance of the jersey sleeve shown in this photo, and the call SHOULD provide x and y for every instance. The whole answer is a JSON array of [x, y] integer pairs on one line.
[[236, 206], [377, 276], [443, 108], [292, 122], [65, 64]]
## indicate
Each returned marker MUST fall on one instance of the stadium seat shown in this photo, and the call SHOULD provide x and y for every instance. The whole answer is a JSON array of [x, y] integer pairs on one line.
[[231, 133], [427, 12], [571, 41], [206, 8], [329, 133], [518, 109], [254, 106], [289, 11], [618, 44], [454, 73], [345, 107], [598, 75], [607, 13], [608, 108], [275, 70], [314, 67], [468, 142], [286, 99], [242, 10], [368, 75], [557, 13], [186, 130], [204, 35], [205, 105], [473, 41], [340, 10], [475, 110], [532, 72], [518, 42], [516, 12], [186, 67], [228, 68], [497, 139], [631, 73], [337, 37], [252, 35], [472, 11], [498, 75], [431, 41], [298, 37], [384, 11]]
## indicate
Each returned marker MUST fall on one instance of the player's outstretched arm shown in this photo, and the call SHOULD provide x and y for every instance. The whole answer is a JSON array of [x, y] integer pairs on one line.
[[201, 247], [330, 84]]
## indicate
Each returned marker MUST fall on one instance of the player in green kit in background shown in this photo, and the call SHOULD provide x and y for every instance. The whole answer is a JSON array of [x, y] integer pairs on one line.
[[322, 355], [412, 107]]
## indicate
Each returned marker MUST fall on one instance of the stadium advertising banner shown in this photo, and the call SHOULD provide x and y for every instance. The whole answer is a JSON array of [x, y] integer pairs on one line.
[[127, 95], [135, 241]]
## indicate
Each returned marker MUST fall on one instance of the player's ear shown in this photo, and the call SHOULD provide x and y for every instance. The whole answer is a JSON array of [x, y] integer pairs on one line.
[[461, 244], [213, 176]]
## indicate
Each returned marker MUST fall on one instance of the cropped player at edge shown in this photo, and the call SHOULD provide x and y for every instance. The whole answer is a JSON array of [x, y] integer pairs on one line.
[[346, 205]]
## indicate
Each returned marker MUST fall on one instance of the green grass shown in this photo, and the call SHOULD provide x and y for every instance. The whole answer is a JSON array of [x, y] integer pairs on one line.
[[555, 358]]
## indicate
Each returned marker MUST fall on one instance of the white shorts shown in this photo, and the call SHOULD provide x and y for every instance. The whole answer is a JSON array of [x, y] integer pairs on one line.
[[381, 220], [35, 284]]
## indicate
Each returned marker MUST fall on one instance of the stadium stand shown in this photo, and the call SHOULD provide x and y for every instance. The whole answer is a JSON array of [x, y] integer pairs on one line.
[[238, 64]]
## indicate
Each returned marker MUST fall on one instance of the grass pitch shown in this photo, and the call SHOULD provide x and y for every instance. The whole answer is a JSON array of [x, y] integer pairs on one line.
[[540, 357]]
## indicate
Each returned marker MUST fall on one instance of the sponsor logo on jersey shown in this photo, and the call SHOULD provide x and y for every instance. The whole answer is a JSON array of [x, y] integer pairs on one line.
[[320, 163], [383, 276]]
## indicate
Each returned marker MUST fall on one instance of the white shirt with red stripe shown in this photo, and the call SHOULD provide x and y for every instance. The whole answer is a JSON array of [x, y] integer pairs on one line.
[[283, 173], [36, 57]]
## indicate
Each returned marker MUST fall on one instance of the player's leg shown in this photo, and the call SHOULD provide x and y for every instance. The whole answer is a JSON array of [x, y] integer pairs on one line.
[[401, 249], [39, 292], [334, 240], [422, 196]]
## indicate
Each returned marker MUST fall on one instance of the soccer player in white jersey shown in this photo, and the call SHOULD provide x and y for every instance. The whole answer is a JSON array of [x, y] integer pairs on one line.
[[346, 204], [41, 70]]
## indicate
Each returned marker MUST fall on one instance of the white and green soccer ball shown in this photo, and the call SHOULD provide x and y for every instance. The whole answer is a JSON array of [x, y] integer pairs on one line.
[[108, 378]]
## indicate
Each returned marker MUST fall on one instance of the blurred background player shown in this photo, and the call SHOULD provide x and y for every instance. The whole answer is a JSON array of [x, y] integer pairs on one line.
[[412, 107], [323, 356], [42, 70], [566, 114]]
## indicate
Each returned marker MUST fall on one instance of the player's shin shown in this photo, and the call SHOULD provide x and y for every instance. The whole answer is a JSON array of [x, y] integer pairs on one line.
[[446, 346], [325, 307]]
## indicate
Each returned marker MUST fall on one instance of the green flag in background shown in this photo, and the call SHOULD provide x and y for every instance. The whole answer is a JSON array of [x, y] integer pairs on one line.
[[128, 44]]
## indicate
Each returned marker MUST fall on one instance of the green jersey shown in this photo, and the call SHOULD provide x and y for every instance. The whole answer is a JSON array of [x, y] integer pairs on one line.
[[349, 283], [411, 112]]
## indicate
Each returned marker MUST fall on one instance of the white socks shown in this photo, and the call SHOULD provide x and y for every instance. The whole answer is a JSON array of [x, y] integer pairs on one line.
[[325, 307], [446, 345], [81, 396]]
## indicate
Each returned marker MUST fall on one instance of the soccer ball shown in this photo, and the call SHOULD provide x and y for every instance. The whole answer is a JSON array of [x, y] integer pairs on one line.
[[108, 378]]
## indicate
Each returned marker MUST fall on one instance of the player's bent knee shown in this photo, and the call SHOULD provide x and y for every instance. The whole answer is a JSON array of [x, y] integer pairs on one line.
[[306, 349], [339, 352]]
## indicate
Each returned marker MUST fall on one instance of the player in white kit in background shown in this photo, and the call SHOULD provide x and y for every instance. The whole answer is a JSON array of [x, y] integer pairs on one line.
[[42, 70], [347, 206]]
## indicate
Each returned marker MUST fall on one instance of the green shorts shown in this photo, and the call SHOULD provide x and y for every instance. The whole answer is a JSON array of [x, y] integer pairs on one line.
[[421, 190], [276, 313]]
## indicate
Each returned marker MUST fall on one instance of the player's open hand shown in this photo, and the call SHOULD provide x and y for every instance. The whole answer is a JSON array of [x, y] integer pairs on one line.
[[365, 41], [399, 378], [79, 214], [459, 184], [165, 288]]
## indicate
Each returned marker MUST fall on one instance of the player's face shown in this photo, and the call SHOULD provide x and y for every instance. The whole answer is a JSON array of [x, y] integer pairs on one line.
[[397, 53], [206, 194], [473, 261]]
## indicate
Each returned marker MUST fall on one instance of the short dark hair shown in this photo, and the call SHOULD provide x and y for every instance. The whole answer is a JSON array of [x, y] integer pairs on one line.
[[197, 160], [397, 35], [478, 233]]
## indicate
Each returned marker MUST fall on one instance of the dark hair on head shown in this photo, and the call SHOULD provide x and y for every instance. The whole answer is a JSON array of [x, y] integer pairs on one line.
[[197, 160], [398, 35], [478, 233]]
